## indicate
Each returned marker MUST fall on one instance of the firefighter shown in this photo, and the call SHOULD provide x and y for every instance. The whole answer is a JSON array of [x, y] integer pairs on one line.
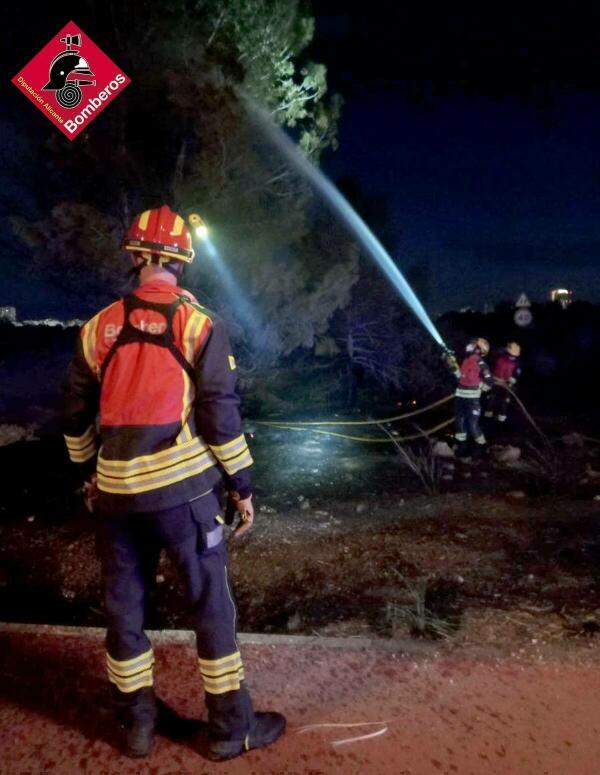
[[506, 371], [157, 368], [473, 375]]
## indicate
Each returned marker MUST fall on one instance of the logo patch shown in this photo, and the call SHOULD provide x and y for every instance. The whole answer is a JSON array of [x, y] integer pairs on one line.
[[71, 80]]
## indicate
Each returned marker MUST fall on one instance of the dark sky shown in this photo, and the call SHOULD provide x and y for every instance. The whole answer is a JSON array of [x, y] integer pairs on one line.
[[484, 139], [480, 132]]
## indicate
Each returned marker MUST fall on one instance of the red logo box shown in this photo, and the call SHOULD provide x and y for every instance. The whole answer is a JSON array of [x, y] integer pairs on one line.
[[71, 80]]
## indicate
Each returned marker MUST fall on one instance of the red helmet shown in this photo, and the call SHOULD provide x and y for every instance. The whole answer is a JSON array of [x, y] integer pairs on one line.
[[161, 232]]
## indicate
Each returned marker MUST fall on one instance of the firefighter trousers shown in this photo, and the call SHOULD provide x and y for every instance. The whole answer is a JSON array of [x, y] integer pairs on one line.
[[468, 413], [498, 404], [129, 547]]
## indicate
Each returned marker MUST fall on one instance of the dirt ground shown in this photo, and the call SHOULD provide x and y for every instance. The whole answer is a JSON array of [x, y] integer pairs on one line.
[[480, 564]]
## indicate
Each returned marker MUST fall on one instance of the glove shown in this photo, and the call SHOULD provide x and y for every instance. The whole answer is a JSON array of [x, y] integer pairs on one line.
[[450, 360]]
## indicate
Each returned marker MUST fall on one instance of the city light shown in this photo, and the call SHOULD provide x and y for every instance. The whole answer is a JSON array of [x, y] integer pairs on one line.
[[561, 295]]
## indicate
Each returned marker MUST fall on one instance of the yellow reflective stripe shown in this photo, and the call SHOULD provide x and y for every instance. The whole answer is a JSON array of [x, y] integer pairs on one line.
[[231, 360], [220, 519], [131, 674], [123, 665], [235, 663], [80, 442], [221, 450], [132, 684], [192, 331], [124, 487], [143, 220], [188, 390], [221, 685], [83, 455], [165, 470], [223, 680], [88, 340], [237, 464], [185, 434], [177, 226], [212, 663], [155, 460]]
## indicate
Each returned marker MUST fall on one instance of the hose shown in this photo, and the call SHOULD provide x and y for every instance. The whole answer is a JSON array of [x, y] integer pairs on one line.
[[396, 418], [366, 439]]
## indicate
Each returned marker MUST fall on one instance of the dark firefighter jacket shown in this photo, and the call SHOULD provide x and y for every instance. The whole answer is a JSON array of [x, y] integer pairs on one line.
[[472, 374], [158, 370]]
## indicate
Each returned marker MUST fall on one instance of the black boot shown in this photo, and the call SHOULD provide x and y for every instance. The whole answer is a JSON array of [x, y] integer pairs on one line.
[[265, 729], [138, 739], [137, 714]]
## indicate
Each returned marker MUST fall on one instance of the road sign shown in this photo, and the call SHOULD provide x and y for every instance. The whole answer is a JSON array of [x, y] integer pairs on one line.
[[523, 301], [523, 317]]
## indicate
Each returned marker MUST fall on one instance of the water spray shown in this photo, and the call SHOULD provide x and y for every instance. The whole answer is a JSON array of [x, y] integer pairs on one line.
[[244, 308], [347, 213]]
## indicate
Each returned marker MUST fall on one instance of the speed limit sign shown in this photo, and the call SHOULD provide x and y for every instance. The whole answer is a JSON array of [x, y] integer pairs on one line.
[[523, 317]]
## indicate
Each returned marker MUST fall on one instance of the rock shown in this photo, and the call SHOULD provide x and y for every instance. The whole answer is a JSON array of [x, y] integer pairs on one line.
[[267, 509], [448, 477], [508, 454], [9, 434], [591, 473], [294, 623], [31, 518], [442, 449], [597, 497], [305, 505], [361, 508], [322, 513], [300, 498], [573, 440], [516, 495], [160, 579]]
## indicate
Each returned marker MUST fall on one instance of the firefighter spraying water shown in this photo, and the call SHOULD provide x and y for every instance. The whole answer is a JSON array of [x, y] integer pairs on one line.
[[473, 376]]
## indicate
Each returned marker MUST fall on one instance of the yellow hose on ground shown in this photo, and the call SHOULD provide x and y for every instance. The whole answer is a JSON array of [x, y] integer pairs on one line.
[[289, 424], [366, 439]]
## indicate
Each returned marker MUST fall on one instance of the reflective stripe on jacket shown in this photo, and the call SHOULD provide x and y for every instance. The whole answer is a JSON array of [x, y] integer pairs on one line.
[[163, 382], [473, 372]]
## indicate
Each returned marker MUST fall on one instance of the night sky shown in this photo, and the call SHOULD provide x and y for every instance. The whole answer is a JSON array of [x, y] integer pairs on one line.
[[479, 133], [493, 181]]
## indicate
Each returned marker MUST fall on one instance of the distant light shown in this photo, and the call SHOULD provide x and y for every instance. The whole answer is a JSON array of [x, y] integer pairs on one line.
[[561, 295]]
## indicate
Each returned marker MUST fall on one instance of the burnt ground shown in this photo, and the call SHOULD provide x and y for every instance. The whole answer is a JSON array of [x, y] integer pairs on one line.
[[346, 543]]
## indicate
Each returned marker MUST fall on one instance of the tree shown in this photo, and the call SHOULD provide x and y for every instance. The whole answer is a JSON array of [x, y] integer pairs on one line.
[[180, 133]]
